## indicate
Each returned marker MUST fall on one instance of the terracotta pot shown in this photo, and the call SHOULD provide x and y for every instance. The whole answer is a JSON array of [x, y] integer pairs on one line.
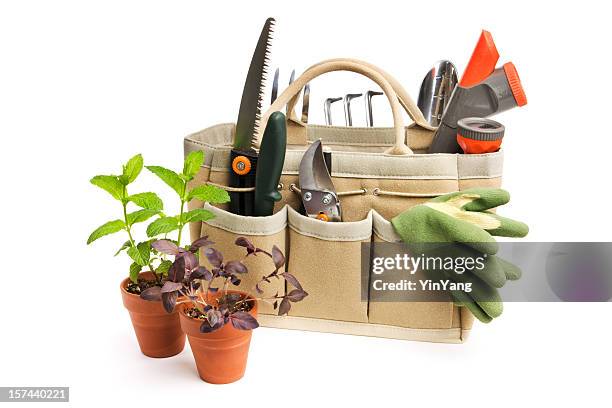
[[220, 356], [159, 333]]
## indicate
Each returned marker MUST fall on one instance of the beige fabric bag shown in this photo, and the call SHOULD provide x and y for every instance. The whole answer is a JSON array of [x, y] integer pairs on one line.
[[378, 173]]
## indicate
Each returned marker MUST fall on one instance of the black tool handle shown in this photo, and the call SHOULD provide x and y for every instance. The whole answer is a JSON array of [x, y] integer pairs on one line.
[[242, 161], [270, 165]]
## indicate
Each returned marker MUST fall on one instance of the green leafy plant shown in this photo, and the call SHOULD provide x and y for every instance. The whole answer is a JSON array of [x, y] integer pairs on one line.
[[179, 183], [149, 205]]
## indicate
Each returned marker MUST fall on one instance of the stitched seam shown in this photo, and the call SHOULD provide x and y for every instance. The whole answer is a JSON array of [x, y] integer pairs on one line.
[[246, 232], [385, 326], [344, 238]]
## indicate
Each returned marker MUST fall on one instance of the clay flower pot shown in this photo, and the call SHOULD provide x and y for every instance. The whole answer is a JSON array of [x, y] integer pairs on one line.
[[220, 356], [159, 333]]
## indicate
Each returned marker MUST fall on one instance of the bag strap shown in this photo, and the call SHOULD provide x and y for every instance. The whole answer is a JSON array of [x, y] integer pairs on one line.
[[404, 98], [296, 131]]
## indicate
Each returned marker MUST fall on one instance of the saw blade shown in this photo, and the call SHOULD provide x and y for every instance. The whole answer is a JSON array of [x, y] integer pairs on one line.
[[249, 115]]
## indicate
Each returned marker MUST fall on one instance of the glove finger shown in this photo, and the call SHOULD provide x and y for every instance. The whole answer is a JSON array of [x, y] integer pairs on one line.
[[456, 230], [511, 271], [493, 272], [428, 225], [465, 301], [489, 271], [487, 297], [509, 227], [476, 199]]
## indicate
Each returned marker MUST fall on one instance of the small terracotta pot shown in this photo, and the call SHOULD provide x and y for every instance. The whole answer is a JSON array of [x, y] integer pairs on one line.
[[159, 333], [220, 356]]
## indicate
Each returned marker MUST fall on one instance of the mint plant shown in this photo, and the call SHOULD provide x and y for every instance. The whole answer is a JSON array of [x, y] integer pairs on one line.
[[149, 205], [179, 184], [143, 254]]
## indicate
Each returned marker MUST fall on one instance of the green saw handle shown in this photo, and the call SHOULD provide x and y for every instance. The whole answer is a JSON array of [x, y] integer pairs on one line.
[[270, 164]]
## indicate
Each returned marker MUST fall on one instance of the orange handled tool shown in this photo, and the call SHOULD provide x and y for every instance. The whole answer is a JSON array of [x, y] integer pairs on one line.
[[482, 62], [479, 135], [483, 91]]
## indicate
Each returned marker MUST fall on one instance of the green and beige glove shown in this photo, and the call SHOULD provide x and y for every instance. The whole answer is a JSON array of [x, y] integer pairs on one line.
[[464, 219]]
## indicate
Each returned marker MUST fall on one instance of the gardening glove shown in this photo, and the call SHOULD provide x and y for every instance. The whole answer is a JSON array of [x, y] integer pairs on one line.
[[464, 219]]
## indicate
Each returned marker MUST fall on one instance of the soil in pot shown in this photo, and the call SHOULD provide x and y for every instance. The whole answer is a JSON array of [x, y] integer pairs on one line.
[[220, 356], [158, 333]]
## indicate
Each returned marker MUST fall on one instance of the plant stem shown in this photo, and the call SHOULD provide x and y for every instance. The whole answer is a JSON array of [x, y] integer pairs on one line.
[[180, 220], [181, 224], [128, 228]]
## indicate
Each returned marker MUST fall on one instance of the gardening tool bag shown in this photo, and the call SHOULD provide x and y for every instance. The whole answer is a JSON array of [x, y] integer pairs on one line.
[[378, 173]]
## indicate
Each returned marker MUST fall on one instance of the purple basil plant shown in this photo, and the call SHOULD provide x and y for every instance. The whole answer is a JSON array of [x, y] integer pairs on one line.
[[207, 290]]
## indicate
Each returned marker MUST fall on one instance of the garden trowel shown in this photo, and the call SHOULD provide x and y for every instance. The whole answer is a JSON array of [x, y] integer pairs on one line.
[[436, 90]]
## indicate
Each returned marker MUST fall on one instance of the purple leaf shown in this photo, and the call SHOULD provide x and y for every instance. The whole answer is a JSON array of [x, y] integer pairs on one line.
[[165, 246], [233, 267], [235, 280], [207, 328], [169, 300], [153, 293], [177, 270], [243, 321], [258, 289], [191, 261], [277, 257], [206, 274], [170, 286], [292, 280], [296, 295], [213, 290], [284, 307], [199, 273], [214, 317], [214, 257], [244, 242], [199, 243]]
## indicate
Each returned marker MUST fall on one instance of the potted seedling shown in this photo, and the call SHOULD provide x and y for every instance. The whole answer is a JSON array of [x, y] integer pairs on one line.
[[159, 333], [218, 321]]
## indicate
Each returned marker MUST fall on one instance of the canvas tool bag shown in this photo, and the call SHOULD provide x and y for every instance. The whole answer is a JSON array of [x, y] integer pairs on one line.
[[378, 173]]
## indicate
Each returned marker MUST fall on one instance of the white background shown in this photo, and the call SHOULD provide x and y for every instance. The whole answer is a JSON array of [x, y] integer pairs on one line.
[[84, 86]]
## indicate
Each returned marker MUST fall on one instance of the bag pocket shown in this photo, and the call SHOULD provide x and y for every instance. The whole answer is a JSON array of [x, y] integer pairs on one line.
[[326, 258], [263, 232], [404, 312]]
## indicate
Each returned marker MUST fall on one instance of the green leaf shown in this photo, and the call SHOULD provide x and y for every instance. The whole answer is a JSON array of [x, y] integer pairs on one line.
[[140, 216], [162, 226], [169, 177], [150, 201], [140, 253], [125, 246], [209, 194], [132, 169], [134, 271], [164, 267], [193, 162], [106, 229], [199, 214], [111, 184]]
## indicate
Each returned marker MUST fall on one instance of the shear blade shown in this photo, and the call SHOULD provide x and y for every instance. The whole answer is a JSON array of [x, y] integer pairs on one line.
[[313, 172]]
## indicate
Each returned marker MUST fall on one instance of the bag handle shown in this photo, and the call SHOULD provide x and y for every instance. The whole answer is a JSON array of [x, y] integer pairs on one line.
[[404, 98], [399, 148]]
